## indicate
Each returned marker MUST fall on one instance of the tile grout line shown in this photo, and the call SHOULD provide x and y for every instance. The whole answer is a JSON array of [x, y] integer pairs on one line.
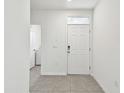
[[70, 84]]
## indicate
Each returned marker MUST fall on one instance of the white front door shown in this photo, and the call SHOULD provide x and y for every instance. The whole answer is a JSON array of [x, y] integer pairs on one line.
[[78, 49]]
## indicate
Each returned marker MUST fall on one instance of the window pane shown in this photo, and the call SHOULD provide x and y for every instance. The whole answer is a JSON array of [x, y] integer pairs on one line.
[[78, 20]]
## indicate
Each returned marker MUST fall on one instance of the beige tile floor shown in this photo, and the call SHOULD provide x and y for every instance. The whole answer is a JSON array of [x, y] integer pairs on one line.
[[62, 84]]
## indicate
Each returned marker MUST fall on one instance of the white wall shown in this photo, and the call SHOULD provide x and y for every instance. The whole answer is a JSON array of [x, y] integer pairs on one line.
[[106, 45], [32, 47], [16, 46], [53, 24], [35, 37]]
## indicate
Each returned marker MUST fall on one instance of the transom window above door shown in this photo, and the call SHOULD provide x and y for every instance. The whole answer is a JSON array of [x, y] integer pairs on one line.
[[78, 20]]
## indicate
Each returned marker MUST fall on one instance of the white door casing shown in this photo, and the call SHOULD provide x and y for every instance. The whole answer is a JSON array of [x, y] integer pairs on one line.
[[78, 40]]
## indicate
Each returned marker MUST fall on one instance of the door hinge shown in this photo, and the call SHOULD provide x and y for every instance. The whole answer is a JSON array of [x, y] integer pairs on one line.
[[89, 49], [89, 67]]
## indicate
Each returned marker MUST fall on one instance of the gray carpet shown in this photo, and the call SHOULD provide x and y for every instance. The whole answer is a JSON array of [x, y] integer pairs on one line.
[[62, 84]]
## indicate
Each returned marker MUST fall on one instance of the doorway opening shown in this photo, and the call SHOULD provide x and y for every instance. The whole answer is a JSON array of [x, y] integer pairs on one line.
[[35, 53]]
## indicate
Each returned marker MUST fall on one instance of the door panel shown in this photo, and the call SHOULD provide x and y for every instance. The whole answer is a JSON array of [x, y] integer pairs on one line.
[[78, 64], [78, 55]]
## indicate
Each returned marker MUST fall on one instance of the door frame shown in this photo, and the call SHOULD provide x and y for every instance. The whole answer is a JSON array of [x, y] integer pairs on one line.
[[90, 43]]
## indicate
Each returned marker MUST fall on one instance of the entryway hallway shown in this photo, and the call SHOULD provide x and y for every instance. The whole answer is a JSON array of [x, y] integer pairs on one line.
[[62, 84]]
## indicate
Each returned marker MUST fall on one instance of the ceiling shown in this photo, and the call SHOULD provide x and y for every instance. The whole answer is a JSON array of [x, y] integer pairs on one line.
[[62, 4]]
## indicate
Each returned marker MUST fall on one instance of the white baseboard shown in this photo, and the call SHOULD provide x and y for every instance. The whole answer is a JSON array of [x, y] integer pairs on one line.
[[98, 81], [91, 74], [52, 73]]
